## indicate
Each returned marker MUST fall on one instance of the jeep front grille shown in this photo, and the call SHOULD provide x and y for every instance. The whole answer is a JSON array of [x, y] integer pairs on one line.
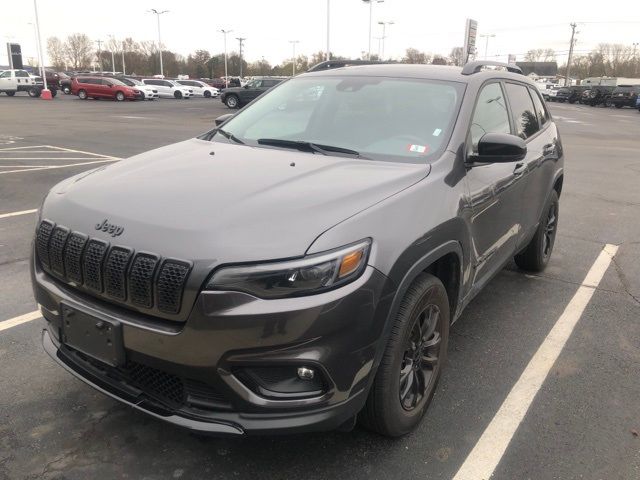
[[114, 272]]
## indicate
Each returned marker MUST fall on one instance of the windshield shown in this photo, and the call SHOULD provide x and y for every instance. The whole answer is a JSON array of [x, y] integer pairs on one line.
[[132, 81], [117, 82], [381, 118]]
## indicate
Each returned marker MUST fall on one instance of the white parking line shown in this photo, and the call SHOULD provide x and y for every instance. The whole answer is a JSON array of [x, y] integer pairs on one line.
[[15, 321], [15, 214], [487, 453], [53, 167]]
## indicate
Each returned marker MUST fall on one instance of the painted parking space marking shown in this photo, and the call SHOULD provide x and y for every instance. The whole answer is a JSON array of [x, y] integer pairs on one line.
[[45, 157], [19, 320], [490, 448], [17, 214]]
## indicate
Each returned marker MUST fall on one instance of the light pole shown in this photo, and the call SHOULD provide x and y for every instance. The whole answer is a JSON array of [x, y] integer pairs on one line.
[[241, 41], [487, 36], [124, 68], [328, 52], [384, 35], [45, 94], [113, 58], [635, 60], [370, 2], [157, 14], [293, 43], [226, 76], [35, 34]]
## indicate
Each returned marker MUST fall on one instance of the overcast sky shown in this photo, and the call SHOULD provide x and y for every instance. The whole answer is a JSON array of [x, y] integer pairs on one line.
[[428, 25]]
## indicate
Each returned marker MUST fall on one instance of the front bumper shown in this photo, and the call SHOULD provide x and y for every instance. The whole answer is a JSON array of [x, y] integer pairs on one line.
[[338, 333]]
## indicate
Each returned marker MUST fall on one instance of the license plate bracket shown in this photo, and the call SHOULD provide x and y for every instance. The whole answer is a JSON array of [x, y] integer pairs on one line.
[[100, 339]]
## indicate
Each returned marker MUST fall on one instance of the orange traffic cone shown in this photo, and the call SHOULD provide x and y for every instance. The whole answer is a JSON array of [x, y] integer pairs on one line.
[[45, 94]]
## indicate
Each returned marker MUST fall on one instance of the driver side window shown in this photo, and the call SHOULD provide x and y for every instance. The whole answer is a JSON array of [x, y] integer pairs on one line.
[[490, 115]]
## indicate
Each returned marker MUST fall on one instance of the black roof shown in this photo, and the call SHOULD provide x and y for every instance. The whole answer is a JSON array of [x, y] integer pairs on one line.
[[543, 69]]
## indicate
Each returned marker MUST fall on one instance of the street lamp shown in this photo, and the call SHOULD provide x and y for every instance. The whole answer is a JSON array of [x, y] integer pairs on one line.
[[35, 34], [45, 94], [328, 52], [124, 68], [635, 60], [384, 35], [241, 41], [370, 2], [487, 36], [293, 43], [157, 14], [226, 76], [113, 58]]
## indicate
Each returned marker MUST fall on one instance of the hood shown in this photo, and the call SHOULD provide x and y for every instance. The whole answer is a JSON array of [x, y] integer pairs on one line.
[[221, 203]]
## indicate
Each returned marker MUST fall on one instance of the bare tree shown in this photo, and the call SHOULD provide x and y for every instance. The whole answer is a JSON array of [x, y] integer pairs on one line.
[[56, 51], [79, 50], [534, 55], [548, 55], [438, 60], [413, 55], [455, 57]]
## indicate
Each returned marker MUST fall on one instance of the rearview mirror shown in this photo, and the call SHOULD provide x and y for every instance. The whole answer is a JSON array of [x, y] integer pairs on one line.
[[223, 118], [500, 148]]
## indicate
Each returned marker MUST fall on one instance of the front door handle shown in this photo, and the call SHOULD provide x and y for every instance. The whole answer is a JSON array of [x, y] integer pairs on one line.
[[549, 149], [519, 169]]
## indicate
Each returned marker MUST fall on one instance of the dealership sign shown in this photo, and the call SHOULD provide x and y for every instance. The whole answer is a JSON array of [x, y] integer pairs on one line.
[[470, 33], [14, 52]]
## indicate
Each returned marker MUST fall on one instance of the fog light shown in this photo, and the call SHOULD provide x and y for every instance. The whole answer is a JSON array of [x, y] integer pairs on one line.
[[305, 373]]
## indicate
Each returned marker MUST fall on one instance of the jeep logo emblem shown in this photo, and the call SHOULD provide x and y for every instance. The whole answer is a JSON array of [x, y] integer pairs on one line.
[[110, 228]]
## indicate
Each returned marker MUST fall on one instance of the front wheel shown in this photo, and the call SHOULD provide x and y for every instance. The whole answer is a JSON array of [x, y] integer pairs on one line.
[[207, 94], [232, 101], [66, 90], [177, 95], [119, 96], [536, 255], [413, 359], [618, 105]]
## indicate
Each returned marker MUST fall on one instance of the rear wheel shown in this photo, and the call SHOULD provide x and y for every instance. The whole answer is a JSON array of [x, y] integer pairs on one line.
[[119, 96], [618, 105], [82, 94], [66, 90], [177, 94], [536, 255], [10, 94], [232, 101], [413, 359]]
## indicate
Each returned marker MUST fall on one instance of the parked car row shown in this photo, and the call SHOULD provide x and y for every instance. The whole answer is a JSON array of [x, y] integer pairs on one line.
[[594, 95], [17, 80]]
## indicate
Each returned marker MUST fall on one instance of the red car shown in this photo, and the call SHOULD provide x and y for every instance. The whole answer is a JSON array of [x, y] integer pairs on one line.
[[102, 87]]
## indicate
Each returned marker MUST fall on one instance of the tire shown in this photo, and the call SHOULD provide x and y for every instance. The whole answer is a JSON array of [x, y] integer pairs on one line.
[[177, 95], [120, 97], [82, 94], [207, 94], [536, 255], [33, 92], [10, 94], [618, 105], [232, 101], [54, 93], [66, 90], [387, 411]]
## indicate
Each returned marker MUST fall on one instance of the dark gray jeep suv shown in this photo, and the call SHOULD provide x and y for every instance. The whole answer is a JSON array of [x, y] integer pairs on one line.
[[299, 266]]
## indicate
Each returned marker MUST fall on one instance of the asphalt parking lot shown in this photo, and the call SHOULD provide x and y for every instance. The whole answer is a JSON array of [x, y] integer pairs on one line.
[[583, 422]]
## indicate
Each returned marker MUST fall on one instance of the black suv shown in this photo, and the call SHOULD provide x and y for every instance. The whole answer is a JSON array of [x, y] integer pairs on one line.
[[236, 97], [625, 96], [600, 95], [570, 94], [300, 265]]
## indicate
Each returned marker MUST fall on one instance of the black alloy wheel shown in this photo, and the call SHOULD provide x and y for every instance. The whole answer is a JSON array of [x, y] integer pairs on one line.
[[537, 253], [413, 359], [420, 363]]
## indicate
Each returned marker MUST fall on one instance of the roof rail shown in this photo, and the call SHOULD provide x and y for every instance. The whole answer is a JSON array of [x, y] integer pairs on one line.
[[330, 64], [474, 67]]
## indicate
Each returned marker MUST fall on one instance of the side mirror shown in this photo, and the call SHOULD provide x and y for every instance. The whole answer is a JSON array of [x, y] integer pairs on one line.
[[223, 118], [246, 86], [500, 148]]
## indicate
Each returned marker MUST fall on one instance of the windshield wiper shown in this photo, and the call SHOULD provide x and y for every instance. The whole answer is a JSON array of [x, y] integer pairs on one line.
[[230, 136], [307, 146]]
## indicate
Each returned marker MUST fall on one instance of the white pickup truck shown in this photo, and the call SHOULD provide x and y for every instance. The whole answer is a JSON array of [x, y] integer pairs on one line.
[[12, 81]]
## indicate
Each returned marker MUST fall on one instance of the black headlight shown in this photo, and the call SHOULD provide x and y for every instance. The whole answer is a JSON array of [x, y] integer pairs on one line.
[[306, 276]]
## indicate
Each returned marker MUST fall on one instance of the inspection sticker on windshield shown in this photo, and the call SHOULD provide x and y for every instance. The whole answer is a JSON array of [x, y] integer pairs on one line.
[[418, 148], [437, 132]]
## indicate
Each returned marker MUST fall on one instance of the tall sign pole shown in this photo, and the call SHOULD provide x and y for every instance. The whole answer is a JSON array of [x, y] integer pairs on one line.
[[470, 34]]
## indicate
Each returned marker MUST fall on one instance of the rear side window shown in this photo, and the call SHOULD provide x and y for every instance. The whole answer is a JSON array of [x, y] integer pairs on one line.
[[524, 114], [165, 83], [150, 82], [490, 115], [22, 74], [543, 115]]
